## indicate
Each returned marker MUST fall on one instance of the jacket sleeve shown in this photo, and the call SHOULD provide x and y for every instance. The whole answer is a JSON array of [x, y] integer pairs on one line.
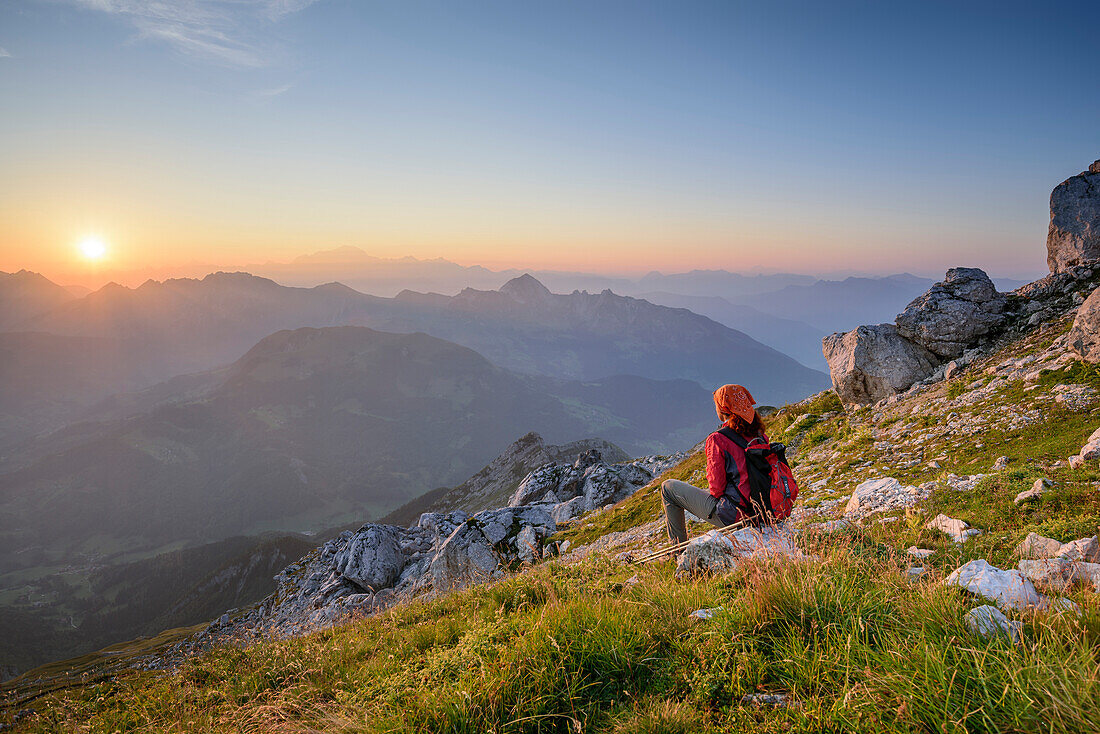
[[716, 467]]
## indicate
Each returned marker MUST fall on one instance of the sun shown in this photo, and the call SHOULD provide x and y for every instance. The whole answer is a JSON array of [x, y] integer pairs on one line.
[[92, 248]]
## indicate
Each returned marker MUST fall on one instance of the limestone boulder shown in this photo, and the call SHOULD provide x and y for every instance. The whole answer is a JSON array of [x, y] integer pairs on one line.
[[1073, 237], [1083, 549], [882, 495], [546, 479], [954, 314], [1050, 574], [1084, 336], [566, 511], [1038, 546], [708, 554], [372, 558], [479, 548], [871, 363], [1007, 589], [603, 485], [959, 530], [989, 621]]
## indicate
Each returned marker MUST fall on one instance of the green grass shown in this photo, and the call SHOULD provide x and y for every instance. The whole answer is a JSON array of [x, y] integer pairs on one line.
[[573, 648], [585, 648]]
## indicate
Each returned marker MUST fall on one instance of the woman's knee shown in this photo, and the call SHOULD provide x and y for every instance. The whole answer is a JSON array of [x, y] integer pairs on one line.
[[666, 490]]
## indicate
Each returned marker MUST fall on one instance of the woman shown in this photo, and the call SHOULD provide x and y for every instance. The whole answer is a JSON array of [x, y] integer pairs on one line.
[[727, 472]]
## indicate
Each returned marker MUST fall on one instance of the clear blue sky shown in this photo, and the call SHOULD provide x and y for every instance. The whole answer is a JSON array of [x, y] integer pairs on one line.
[[875, 136]]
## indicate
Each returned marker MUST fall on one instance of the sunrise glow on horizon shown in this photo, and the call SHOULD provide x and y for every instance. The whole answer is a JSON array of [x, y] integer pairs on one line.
[[603, 137]]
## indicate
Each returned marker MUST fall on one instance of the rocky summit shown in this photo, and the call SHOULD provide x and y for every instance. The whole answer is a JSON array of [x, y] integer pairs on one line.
[[1074, 234]]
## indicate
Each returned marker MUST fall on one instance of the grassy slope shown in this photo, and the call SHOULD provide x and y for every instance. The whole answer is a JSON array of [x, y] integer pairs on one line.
[[580, 648]]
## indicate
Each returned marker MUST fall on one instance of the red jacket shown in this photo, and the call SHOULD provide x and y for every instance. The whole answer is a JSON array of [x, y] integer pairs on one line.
[[727, 459]]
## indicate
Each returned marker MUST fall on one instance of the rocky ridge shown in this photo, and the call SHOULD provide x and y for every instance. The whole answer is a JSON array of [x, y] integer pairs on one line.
[[374, 567], [494, 485]]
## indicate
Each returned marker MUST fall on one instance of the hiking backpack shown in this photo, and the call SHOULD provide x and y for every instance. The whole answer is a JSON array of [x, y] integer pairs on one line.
[[772, 487]]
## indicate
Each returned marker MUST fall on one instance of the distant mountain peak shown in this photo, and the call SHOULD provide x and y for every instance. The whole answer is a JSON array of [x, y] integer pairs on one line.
[[525, 288]]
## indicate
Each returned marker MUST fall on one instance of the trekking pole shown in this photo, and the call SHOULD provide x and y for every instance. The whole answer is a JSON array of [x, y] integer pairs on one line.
[[680, 546]]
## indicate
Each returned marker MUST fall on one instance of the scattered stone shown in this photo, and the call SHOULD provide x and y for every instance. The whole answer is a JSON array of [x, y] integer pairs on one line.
[[951, 369], [1089, 573], [988, 621], [1050, 574], [935, 465], [1063, 604], [872, 363], [916, 572], [705, 614], [954, 314], [959, 531], [778, 700], [1037, 489], [1001, 463], [920, 553], [1083, 549], [883, 495], [1008, 589], [1037, 546], [964, 484]]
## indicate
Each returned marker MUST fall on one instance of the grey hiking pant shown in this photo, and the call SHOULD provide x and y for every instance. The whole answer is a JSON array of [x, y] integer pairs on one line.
[[679, 496]]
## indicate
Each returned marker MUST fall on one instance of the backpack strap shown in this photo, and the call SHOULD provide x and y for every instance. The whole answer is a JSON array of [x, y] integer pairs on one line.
[[736, 437]]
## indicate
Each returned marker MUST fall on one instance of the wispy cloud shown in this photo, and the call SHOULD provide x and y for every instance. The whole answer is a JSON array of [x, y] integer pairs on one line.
[[4, 54], [273, 92], [229, 32]]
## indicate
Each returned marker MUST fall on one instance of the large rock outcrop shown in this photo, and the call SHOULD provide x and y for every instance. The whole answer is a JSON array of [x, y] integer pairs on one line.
[[954, 314], [1084, 337], [373, 567], [588, 483], [1074, 234], [870, 363]]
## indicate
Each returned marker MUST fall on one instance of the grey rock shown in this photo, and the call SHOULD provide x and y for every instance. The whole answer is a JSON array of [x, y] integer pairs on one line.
[[372, 559], [959, 531], [603, 485], [1050, 574], [708, 554], [1038, 546], [441, 524], [1001, 463], [467, 556], [1073, 237], [1083, 549], [527, 544], [1007, 589], [882, 495], [988, 621], [478, 549], [566, 511], [776, 700], [1028, 495], [871, 363], [1084, 336], [954, 314], [545, 479]]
